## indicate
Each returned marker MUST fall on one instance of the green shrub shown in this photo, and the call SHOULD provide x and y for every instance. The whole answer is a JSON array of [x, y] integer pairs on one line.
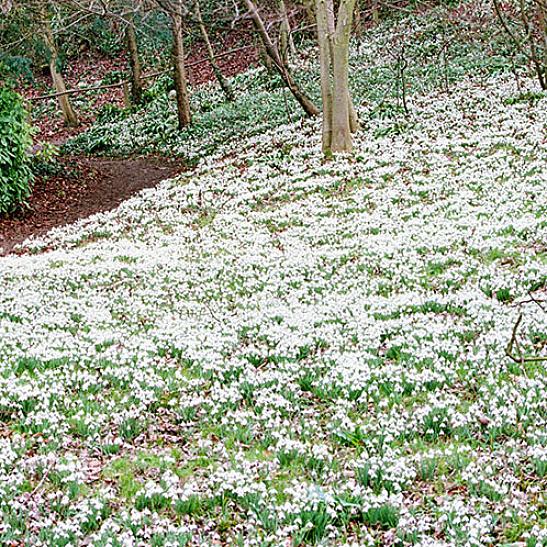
[[17, 67], [113, 77], [15, 139], [44, 162]]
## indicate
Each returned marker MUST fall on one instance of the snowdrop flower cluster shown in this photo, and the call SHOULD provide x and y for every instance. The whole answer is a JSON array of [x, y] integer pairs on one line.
[[274, 350]]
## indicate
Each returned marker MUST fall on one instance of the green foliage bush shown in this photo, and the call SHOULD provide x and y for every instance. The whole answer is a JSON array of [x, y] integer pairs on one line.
[[17, 66], [15, 139]]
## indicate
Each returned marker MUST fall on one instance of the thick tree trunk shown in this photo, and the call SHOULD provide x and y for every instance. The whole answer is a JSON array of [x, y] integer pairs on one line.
[[181, 82], [224, 83], [325, 63], [304, 101], [343, 116], [341, 129], [339, 116], [134, 64], [69, 114]]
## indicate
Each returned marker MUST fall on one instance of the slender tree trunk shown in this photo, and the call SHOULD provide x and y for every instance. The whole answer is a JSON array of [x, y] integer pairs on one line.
[[69, 114], [309, 9], [542, 19], [529, 50], [304, 101], [134, 63], [265, 59], [541, 16], [224, 83], [181, 82], [354, 124], [536, 61], [358, 20], [375, 6], [286, 42], [126, 95]]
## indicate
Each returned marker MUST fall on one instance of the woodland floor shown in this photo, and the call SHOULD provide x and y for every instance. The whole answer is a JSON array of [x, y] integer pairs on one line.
[[273, 349], [84, 186], [90, 69]]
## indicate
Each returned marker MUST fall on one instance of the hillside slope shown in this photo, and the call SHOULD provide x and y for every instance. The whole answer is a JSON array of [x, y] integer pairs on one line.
[[277, 350]]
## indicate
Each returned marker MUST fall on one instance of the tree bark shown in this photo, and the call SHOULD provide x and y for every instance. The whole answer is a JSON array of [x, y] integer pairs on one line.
[[542, 21], [341, 129], [265, 59], [223, 82], [286, 42], [375, 5], [181, 81], [309, 9], [304, 101], [339, 116], [69, 114], [134, 63], [325, 64]]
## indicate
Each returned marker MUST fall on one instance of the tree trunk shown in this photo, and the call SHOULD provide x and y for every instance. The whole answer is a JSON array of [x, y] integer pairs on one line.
[[325, 64], [309, 10], [375, 6], [265, 59], [339, 116], [69, 114], [341, 130], [181, 82], [126, 95], [134, 64], [224, 83], [286, 42], [304, 101], [542, 21], [354, 124]]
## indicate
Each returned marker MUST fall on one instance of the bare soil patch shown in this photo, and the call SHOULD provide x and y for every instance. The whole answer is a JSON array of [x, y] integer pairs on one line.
[[83, 187]]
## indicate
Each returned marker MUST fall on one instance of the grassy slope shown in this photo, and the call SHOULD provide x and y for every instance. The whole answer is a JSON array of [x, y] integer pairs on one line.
[[273, 349]]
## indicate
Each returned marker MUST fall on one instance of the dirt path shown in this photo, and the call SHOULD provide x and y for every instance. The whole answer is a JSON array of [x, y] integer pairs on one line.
[[84, 186], [90, 185]]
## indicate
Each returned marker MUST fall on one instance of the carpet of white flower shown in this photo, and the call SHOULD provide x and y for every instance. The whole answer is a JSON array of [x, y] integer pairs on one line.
[[276, 350]]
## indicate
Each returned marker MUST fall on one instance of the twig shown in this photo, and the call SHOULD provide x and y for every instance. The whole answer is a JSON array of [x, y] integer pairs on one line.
[[42, 480], [534, 300], [206, 304], [538, 302], [519, 358], [403, 64]]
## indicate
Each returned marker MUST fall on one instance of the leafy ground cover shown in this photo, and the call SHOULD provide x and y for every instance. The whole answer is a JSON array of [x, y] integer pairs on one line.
[[439, 47], [96, 106], [276, 350]]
